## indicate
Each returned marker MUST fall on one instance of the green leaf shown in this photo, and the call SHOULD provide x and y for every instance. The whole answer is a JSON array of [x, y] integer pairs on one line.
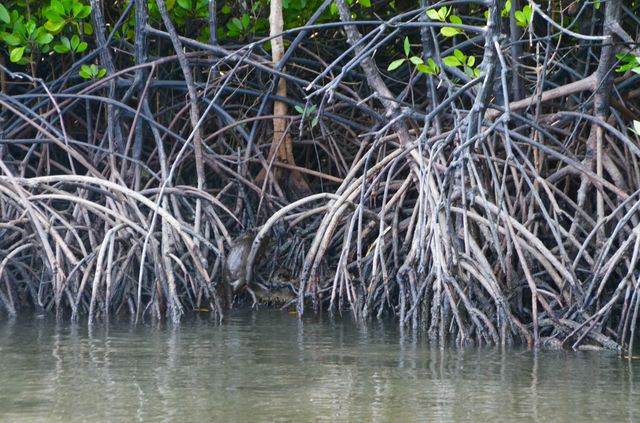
[[185, 4], [86, 11], [11, 39], [471, 60], [523, 17], [4, 14], [60, 48], [455, 20], [469, 71], [16, 54], [236, 22], [506, 9], [425, 69], [88, 28], [225, 9], [624, 68], [54, 27], [245, 21], [299, 109], [451, 61], [82, 47], [406, 46], [57, 7], [416, 60], [459, 55], [66, 42], [76, 9], [443, 12], [75, 40], [433, 14], [365, 3], [31, 26], [395, 64], [52, 15], [44, 38], [102, 73], [85, 72], [448, 31]]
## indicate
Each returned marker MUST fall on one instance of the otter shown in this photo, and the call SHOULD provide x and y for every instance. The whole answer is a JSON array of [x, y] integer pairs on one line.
[[235, 266]]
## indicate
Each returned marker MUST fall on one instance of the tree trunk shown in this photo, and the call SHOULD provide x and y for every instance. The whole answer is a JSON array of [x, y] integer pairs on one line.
[[282, 145]]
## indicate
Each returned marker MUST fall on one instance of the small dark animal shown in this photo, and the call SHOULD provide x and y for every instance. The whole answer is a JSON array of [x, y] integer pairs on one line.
[[235, 266]]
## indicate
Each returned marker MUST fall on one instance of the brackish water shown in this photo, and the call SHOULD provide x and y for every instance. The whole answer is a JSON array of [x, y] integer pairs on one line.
[[269, 366]]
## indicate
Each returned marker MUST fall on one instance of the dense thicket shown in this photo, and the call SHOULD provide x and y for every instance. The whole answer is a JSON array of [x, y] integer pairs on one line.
[[472, 168]]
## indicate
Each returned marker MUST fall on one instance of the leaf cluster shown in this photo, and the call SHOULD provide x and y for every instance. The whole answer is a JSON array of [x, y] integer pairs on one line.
[[31, 31]]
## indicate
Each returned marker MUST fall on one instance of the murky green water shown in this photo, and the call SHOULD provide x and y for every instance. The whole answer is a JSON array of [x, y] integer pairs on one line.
[[268, 366]]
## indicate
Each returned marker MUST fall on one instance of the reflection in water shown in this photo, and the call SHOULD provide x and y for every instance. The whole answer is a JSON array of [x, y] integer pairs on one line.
[[269, 366]]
